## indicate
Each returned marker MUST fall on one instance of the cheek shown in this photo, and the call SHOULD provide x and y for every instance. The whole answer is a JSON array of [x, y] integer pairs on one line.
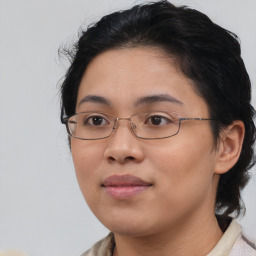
[[184, 168], [86, 157]]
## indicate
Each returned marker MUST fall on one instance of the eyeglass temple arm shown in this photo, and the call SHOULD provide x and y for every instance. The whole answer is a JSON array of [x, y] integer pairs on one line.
[[196, 118], [62, 118]]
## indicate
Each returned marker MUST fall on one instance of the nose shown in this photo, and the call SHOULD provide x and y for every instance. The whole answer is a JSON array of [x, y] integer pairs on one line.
[[123, 145]]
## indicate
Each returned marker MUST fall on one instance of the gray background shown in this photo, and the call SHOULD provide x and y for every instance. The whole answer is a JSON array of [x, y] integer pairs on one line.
[[42, 211]]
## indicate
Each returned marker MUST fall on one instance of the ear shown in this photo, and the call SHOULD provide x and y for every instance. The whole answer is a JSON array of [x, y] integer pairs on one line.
[[230, 146]]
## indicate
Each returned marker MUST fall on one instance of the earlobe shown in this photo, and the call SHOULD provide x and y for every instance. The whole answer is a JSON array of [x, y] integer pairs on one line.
[[230, 146]]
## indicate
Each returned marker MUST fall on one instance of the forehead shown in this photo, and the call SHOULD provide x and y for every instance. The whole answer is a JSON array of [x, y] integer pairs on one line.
[[122, 76]]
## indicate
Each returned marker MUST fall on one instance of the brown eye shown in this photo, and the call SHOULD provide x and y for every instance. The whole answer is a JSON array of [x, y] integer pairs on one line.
[[158, 120], [95, 120]]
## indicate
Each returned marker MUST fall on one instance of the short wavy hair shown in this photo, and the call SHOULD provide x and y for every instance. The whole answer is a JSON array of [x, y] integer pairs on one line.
[[204, 52]]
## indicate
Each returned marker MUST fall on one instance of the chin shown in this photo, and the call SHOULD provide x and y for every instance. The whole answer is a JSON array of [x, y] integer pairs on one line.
[[133, 227], [130, 230]]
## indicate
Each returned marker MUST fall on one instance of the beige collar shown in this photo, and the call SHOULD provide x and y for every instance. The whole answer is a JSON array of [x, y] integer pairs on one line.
[[227, 241]]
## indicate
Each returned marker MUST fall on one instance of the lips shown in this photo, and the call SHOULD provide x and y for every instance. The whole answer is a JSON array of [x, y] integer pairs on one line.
[[124, 186]]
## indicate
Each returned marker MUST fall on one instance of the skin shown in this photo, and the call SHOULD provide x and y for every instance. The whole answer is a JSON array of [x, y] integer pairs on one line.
[[175, 216]]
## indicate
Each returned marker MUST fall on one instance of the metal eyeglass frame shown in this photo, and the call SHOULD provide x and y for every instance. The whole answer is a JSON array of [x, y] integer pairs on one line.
[[64, 120]]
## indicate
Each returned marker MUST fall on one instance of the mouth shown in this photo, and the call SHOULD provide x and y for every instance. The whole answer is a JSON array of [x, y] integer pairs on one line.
[[124, 186]]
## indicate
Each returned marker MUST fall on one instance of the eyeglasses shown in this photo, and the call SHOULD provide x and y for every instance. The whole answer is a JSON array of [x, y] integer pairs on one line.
[[154, 125]]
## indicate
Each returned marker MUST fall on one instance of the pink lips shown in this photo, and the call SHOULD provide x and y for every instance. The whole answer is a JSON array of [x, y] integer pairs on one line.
[[124, 186]]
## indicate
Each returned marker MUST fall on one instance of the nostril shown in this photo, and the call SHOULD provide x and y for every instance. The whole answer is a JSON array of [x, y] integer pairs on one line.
[[130, 158], [121, 159], [111, 159]]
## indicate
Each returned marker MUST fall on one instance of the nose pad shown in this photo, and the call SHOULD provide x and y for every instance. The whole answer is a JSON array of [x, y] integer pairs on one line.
[[133, 126], [115, 124]]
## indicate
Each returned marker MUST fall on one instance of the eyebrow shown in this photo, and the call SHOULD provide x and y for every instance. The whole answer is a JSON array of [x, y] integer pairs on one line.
[[157, 98], [95, 99], [141, 101]]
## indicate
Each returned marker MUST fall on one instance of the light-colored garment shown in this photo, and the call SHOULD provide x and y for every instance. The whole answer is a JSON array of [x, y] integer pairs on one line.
[[232, 243], [12, 253], [103, 247]]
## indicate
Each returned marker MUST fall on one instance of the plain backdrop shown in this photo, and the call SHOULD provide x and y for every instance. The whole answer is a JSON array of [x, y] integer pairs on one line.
[[42, 211]]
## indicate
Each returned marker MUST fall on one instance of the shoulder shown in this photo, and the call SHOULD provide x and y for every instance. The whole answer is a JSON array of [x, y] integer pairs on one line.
[[233, 243], [243, 247], [104, 247]]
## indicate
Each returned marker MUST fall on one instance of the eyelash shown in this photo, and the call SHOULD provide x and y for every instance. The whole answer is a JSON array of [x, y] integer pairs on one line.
[[167, 119], [87, 119]]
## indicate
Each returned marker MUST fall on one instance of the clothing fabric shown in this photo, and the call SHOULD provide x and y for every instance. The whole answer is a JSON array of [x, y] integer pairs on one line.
[[232, 243]]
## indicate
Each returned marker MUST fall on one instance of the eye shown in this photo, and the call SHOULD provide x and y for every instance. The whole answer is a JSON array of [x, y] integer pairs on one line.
[[95, 120], [158, 120]]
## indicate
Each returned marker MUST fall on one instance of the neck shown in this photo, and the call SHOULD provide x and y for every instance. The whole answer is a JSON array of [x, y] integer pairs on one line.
[[194, 237]]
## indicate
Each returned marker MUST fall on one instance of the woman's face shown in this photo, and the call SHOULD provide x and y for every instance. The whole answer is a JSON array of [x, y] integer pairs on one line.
[[136, 186]]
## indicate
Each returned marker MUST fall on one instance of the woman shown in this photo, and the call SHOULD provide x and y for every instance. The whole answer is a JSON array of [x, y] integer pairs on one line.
[[157, 105]]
